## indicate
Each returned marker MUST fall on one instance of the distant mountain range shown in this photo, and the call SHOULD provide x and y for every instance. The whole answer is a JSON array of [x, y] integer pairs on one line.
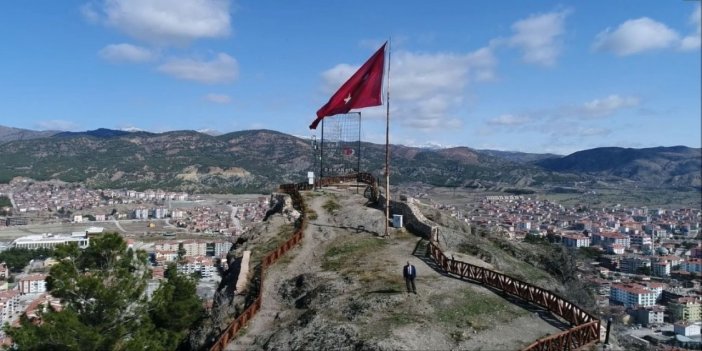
[[676, 165], [259, 160], [12, 134]]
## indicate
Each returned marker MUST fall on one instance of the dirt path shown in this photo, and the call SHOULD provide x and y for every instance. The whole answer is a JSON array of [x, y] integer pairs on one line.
[[302, 258]]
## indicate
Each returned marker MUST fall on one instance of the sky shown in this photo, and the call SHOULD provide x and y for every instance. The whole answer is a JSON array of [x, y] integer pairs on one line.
[[530, 76]]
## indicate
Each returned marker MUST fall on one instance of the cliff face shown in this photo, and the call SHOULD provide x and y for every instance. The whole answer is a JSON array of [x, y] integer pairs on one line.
[[229, 300]]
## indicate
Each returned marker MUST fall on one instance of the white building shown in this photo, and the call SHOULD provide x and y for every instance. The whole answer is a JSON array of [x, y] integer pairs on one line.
[[575, 241], [660, 268], [649, 315], [195, 248], [50, 241], [32, 284], [9, 305], [160, 212], [221, 248], [526, 226], [202, 264], [178, 214], [140, 213], [631, 295], [166, 256], [686, 329], [641, 240]]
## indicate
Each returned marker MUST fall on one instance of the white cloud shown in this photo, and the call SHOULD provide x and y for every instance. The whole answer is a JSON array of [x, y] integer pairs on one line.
[[218, 98], [692, 41], [417, 75], [594, 131], [90, 12], [635, 36], [608, 105], [508, 120], [483, 64], [126, 53], [163, 22], [425, 88], [56, 124], [333, 78], [573, 120], [221, 69], [539, 37]]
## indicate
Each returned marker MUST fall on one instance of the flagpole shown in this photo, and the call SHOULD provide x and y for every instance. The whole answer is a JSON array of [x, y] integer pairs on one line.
[[387, 144], [321, 157], [358, 170]]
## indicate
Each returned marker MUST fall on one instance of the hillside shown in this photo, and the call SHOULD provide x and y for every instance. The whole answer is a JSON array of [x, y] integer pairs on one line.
[[672, 166], [12, 134], [245, 161], [343, 287], [519, 157], [258, 160]]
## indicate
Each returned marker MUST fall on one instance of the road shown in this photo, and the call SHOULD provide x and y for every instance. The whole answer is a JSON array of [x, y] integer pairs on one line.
[[12, 199], [119, 226]]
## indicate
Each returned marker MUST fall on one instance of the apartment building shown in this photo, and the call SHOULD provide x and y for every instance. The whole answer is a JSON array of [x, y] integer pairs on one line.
[[575, 241], [686, 309], [631, 295], [32, 284]]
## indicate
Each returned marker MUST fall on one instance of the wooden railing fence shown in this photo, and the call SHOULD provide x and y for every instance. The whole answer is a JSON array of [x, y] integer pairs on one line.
[[585, 328], [273, 256]]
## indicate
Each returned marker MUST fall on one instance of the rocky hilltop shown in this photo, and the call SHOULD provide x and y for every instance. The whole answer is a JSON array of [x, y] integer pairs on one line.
[[342, 287]]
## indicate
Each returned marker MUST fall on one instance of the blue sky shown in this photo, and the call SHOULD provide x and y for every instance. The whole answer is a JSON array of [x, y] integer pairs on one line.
[[532, 76]]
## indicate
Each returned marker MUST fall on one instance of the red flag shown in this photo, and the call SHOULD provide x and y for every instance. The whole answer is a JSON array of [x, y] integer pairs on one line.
[[363, 89]]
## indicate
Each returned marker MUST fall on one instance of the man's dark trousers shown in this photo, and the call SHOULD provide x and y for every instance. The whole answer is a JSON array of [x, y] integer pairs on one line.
[[409, 272]]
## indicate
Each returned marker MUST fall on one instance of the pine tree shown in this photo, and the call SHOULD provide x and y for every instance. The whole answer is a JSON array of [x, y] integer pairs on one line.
[[102, 290]]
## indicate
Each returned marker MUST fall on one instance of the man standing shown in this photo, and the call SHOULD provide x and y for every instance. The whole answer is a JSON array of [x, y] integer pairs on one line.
[[409, 272]]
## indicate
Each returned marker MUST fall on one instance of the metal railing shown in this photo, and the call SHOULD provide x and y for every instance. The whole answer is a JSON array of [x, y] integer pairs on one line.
[[585, 328]]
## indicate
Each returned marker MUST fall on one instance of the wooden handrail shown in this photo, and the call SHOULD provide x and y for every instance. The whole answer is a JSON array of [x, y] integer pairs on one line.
[[586, 326], [273, 256]]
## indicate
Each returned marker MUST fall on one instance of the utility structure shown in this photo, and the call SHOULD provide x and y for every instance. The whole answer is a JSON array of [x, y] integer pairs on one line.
[[363, 89]]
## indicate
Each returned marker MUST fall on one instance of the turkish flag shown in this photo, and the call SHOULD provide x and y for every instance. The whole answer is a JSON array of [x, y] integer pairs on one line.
[[363, 89]]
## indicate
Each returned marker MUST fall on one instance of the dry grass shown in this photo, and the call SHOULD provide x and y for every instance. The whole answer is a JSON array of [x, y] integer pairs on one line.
[[260, 250], [474, 310]]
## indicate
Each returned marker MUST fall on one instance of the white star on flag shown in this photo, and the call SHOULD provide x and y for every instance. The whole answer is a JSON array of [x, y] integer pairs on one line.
[[347, 99]]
